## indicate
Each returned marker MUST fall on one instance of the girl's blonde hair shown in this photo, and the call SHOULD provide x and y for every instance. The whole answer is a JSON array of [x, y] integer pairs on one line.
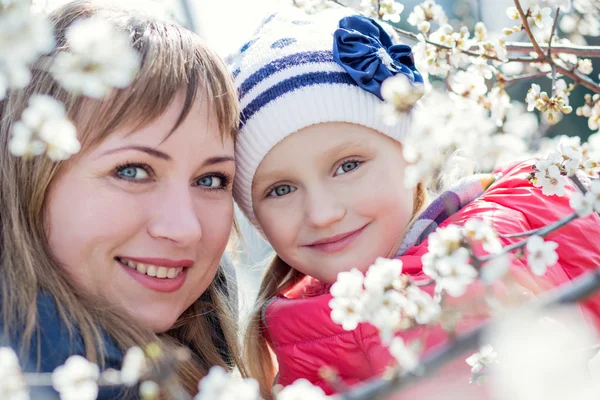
[[173, 61], [279, 277]]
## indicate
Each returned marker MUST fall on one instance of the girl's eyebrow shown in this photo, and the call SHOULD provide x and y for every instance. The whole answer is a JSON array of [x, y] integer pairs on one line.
[[343, 147]]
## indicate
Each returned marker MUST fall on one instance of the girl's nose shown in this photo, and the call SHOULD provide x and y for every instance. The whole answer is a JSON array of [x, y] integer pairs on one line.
[[323, 208]]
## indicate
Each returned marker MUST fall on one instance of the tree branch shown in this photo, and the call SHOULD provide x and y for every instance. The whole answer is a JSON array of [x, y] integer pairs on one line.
[[580, 51], [527, 29]]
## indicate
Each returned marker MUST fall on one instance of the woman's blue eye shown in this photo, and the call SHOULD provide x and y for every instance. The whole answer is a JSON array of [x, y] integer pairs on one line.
[[347, 167], [211, 181], [282, 190], [132, 173]]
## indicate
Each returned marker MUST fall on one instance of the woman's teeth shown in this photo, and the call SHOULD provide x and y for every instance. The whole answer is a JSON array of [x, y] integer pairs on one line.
[[152, 270]]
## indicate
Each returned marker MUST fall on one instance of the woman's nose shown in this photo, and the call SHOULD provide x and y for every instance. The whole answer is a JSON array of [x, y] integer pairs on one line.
[[176, 217]]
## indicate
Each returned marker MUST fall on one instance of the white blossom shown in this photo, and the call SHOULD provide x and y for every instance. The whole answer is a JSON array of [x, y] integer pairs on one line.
[[427, 11], [23, 38], [99, 58], [444, 241], [134, 366], [149, 390], [44, 127], [481, 359], [584, 65], [481, 230], [220, 385], [571, 151], [469, 85], [582, 204], [495, 269], [348, 284], [548, 177], [390, 10], [405, 356], [347, 312], [301, 389], [400, 95], [540, 254], [455, 273], [541, 16], [77, 379], [384, 274], [384, 311], [481, 32], [513, 13], [12, 382], [553, 107], [533, 94], [421, 306]]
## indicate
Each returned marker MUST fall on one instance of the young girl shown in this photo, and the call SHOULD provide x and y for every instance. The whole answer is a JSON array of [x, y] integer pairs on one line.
[[321, 177]]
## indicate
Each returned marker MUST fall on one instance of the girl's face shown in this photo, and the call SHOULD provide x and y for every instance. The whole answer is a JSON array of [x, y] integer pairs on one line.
[[142, 219], [331, 197]]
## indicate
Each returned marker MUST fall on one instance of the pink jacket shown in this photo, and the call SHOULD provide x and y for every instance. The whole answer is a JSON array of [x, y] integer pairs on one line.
[[305, 339]]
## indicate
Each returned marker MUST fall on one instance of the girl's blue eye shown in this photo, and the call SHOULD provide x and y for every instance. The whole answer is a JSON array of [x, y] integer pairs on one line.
[[132, 173], [282, 190], [212, 182], [347, 167]]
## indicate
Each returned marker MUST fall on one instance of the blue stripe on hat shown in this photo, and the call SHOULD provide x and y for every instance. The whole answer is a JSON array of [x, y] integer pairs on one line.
[[281, 64], [291, 84]]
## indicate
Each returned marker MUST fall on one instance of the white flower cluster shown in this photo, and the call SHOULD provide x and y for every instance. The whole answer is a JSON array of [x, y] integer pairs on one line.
[[384, 297], [480, 360], [389, 10], [44, 127], [448, 261], [301, 389], [586, 204], [553, 107], [591, 110], [400, 97], [12, 382], [570, 158], [23, 37], [221, 385], [99, 58], [583, 21], [439, 129], [77, 379], [540, 254]]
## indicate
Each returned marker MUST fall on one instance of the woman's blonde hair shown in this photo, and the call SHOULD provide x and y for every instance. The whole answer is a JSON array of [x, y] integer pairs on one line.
[[279, 277], [174, 61]]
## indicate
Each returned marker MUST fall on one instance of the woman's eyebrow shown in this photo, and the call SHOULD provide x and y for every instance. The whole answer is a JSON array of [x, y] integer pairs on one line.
[[147, 150]]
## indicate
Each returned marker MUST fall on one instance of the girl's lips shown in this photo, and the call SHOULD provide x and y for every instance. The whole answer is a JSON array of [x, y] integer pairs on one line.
[[336, 243], [163, 285]]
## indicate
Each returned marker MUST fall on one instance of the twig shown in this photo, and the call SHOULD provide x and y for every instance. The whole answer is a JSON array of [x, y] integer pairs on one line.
[[578, 289], [524, 77], [552, 32], [545, 231], [580, 51], [527, 29]]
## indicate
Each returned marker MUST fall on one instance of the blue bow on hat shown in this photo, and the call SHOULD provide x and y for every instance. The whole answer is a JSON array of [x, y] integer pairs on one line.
[[365, 50]]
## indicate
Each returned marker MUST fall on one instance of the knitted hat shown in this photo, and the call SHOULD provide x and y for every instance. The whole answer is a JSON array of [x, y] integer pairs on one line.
[[300, 70]]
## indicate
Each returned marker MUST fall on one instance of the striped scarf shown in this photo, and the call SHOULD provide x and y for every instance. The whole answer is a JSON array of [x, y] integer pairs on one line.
[[456, 197]]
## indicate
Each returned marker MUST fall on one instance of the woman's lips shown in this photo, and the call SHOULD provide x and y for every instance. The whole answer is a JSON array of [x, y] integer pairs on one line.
[[336, 243], [154, 277]]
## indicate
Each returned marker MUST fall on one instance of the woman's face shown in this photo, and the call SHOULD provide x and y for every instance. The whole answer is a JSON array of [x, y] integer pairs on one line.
[[331, 197], [143, 219]]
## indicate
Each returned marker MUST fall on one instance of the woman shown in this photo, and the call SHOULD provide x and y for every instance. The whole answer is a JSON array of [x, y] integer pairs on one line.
[[120, 246]]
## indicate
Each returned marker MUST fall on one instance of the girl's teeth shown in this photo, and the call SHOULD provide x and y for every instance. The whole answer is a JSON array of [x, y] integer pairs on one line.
[[152, 270]]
